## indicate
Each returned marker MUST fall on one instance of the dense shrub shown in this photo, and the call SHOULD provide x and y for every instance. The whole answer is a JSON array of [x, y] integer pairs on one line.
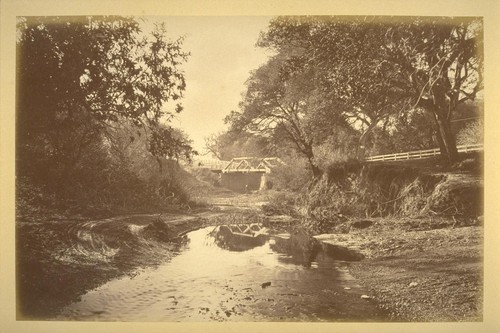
[[294, 175], [471, 134], [101, 192], [281, 203], [352, 189]]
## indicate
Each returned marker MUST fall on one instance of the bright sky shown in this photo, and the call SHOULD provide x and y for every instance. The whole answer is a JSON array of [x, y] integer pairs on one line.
[[223, 53]]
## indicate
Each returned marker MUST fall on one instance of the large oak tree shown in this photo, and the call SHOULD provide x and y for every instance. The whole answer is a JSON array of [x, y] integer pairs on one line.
[[278, 104], [372, 68], [77, 77]]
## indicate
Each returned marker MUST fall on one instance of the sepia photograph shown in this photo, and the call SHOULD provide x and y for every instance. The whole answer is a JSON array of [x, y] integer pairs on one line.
[[271, 168]]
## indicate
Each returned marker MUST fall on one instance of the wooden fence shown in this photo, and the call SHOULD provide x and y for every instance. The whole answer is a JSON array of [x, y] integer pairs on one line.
[[211, 164], [418, 154]]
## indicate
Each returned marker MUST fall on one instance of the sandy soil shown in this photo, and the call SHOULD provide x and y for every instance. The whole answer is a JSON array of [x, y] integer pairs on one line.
[[419, 275]]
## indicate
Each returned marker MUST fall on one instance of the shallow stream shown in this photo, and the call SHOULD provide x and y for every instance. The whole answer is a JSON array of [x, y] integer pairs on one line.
[[216, 278]]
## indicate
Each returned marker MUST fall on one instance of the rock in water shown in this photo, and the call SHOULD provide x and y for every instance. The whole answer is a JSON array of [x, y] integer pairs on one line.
[[365, 297]]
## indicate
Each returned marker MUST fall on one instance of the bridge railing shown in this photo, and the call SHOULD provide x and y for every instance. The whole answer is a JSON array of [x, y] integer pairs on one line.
[[418, 154], [211, 164]]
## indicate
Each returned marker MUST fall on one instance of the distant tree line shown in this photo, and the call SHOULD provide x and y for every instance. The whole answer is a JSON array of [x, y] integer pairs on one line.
[[343, 87], [94, 99]]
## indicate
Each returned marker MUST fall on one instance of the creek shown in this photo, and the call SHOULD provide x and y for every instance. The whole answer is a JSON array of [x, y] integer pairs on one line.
[[215, 274]]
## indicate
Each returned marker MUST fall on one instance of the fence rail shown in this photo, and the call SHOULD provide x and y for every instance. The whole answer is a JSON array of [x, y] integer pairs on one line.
[[211, 164], [418, 154]]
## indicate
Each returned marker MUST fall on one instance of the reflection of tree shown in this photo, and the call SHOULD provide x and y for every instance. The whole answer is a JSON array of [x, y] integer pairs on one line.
[[233, 238], [301, 248]]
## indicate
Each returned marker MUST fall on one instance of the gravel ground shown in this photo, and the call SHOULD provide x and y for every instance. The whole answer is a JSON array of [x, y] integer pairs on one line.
[[419, 275]]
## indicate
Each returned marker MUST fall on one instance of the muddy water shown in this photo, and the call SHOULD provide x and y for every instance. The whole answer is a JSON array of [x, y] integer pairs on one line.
[[278, 279]]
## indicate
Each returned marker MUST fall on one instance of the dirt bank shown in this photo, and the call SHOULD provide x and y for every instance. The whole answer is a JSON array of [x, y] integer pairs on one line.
[[417, 273]]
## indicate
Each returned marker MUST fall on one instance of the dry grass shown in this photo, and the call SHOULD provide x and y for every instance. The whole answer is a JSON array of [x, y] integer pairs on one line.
[[351, 190]]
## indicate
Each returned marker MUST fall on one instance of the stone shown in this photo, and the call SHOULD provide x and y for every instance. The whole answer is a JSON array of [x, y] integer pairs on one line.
[[413, 284], [365, 297], [265, 284], [362, 224]]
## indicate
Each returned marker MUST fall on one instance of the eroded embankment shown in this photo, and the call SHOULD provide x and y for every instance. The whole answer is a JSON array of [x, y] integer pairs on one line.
[[57, 261], [419, 230], [354, 190]]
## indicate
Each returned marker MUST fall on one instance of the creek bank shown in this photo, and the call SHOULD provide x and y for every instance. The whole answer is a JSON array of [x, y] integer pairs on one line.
[[418, 227], [418, 273], [354, 190]]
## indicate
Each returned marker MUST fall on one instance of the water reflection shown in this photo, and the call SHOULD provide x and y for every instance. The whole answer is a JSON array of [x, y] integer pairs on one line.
[[300, 248], [220, 275], [239, 237]]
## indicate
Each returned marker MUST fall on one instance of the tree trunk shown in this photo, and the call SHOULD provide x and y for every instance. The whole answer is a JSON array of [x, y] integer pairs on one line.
[[439, 138], [317, 172], [363, 138], [444, 134], [160, 164], [448, 148]]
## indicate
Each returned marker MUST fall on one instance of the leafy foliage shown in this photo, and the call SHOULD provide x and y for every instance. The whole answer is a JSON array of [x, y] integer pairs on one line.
[[87, 89], [471, 134], [227, 145], [294, 175], [367, 69], [275, 106]]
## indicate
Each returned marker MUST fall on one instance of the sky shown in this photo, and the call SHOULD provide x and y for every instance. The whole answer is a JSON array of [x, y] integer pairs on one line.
[[223, 53]]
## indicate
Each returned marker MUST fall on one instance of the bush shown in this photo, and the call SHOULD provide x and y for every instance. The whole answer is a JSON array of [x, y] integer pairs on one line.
[[294, 175], [281, 203], [471, 134], [336, 149], [351, 189]]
